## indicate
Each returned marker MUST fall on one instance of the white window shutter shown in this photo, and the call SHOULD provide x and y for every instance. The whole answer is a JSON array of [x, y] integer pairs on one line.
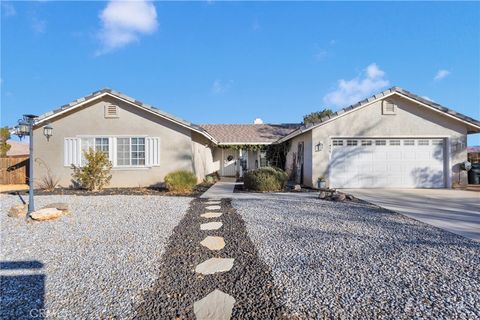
[[152, 151], [71, 152]]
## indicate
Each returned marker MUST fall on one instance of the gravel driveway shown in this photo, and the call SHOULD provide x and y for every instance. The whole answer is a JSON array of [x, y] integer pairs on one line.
[[94, 263], [354, 260]]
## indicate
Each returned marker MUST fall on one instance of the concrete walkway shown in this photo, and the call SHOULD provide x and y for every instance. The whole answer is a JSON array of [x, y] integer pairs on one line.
[[221, 189], [456, 211]]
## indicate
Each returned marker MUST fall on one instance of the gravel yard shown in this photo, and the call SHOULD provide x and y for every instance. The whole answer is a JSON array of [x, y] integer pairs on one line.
[[355, 260], [96, 261]]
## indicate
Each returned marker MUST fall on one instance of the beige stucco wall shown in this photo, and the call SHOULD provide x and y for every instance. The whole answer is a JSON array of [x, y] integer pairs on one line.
[[177, 150], [410, 120]]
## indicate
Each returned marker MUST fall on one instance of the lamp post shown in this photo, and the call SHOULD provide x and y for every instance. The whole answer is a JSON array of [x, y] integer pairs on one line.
[[25, 128]]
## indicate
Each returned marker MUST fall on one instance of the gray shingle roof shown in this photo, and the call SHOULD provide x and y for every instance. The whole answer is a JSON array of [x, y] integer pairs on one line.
[[248, 133], [131, 100], [399, 90]]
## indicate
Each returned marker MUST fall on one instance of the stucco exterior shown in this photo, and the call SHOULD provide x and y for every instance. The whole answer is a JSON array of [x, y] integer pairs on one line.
[[409, 120], [180, 148]]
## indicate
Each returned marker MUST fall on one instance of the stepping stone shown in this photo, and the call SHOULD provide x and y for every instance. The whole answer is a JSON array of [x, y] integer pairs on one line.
[[211, 226], [214, 265], [211, 215], [213, 203], [213, 243], [216, 305], [213, 207]]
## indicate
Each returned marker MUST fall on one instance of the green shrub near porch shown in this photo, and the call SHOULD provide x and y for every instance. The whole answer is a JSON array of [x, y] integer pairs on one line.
[[265, 179], [180, 181]]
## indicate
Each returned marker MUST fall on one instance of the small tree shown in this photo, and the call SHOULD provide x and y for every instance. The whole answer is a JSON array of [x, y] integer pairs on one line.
[[316, 116], [96, 173], [4, 146]]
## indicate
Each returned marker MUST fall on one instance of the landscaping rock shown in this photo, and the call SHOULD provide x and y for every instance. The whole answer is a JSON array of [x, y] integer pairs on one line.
[[211, 214], [322, 195], [216, 305], [214, 265], [211, 226], [297, 187], [338, 196], [213, 243], [58, 205], [19, 210], [46, 214]]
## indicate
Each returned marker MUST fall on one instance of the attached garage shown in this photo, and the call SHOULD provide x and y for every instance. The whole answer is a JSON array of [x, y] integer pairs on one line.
[[387, 163]]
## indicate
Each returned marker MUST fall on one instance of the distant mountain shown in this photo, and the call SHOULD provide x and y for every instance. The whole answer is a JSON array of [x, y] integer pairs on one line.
[[473, 149]]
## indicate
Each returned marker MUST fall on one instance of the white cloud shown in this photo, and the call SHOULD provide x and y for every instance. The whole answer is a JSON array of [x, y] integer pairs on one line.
[[124, 21], [220, 86], [321, 54], [351, 91], [442, 73], [8, 9]]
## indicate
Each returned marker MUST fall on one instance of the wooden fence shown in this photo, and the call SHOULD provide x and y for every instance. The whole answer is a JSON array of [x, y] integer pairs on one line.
[[14, 170]]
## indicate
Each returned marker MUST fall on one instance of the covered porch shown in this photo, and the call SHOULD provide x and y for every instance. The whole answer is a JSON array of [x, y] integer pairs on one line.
[[234, 160]]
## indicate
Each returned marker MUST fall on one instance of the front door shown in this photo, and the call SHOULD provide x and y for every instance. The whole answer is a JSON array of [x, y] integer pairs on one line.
[[229, 160]]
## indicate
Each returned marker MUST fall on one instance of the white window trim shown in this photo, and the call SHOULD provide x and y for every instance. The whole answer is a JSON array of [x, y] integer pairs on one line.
[[112, 147]]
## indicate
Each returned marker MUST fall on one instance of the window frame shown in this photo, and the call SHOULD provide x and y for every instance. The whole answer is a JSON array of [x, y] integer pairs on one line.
[[130, 153]]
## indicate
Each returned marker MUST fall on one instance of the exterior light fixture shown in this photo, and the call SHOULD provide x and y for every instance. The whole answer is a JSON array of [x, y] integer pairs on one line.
[[25, 128], [48, 131], [319, 147]]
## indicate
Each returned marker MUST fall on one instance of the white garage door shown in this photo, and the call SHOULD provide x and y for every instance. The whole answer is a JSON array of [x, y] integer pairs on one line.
[[387, 163]]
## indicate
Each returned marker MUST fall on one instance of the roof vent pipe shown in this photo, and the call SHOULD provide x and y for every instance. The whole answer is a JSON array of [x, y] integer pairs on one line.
[[258, 121]]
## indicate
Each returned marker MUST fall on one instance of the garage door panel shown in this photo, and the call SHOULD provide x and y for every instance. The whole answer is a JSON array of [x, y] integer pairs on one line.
[[384, 166]]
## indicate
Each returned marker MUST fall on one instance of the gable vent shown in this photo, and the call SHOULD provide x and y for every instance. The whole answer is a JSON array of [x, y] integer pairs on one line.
[[388, 107], [111, 111]]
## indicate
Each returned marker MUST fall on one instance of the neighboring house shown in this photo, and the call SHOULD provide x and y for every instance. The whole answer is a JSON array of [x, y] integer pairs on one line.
[[17, 148], [393, 139]]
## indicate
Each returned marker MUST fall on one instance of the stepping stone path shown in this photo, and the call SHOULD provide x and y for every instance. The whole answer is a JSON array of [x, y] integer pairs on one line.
[[213, 208], [215, 306], [211, 226], [214, 265], [213, 243], [211, 214]]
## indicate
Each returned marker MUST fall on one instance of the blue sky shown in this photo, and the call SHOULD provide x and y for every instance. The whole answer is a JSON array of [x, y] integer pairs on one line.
[[230, 62]]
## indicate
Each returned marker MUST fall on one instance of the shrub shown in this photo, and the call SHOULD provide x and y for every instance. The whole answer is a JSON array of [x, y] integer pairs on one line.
[[265, 179], [96, 173], [212, 178], [180, 181], [49, 181]]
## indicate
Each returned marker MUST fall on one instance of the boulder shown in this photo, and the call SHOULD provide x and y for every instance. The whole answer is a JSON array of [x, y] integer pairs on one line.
[[58, 205], [350, 197], [19, 210], [338, 196], [46, 214], [297, 187], [322, 195]]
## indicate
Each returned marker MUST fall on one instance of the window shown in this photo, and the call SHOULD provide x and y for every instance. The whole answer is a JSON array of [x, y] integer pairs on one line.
[[367, 142], [337, 142], [96, 144], [130, 151], [388, 107], [101, 144], [111, 111], [394, 142], [437, 142], [408, 142], [380, 142], [423, 142], [352, 142]]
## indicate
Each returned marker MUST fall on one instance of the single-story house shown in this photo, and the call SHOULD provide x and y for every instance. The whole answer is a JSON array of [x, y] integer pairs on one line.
[[392, 139]]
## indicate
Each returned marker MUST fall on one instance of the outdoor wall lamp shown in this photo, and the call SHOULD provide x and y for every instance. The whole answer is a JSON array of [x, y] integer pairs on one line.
[[319, 147], [48, 131]]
